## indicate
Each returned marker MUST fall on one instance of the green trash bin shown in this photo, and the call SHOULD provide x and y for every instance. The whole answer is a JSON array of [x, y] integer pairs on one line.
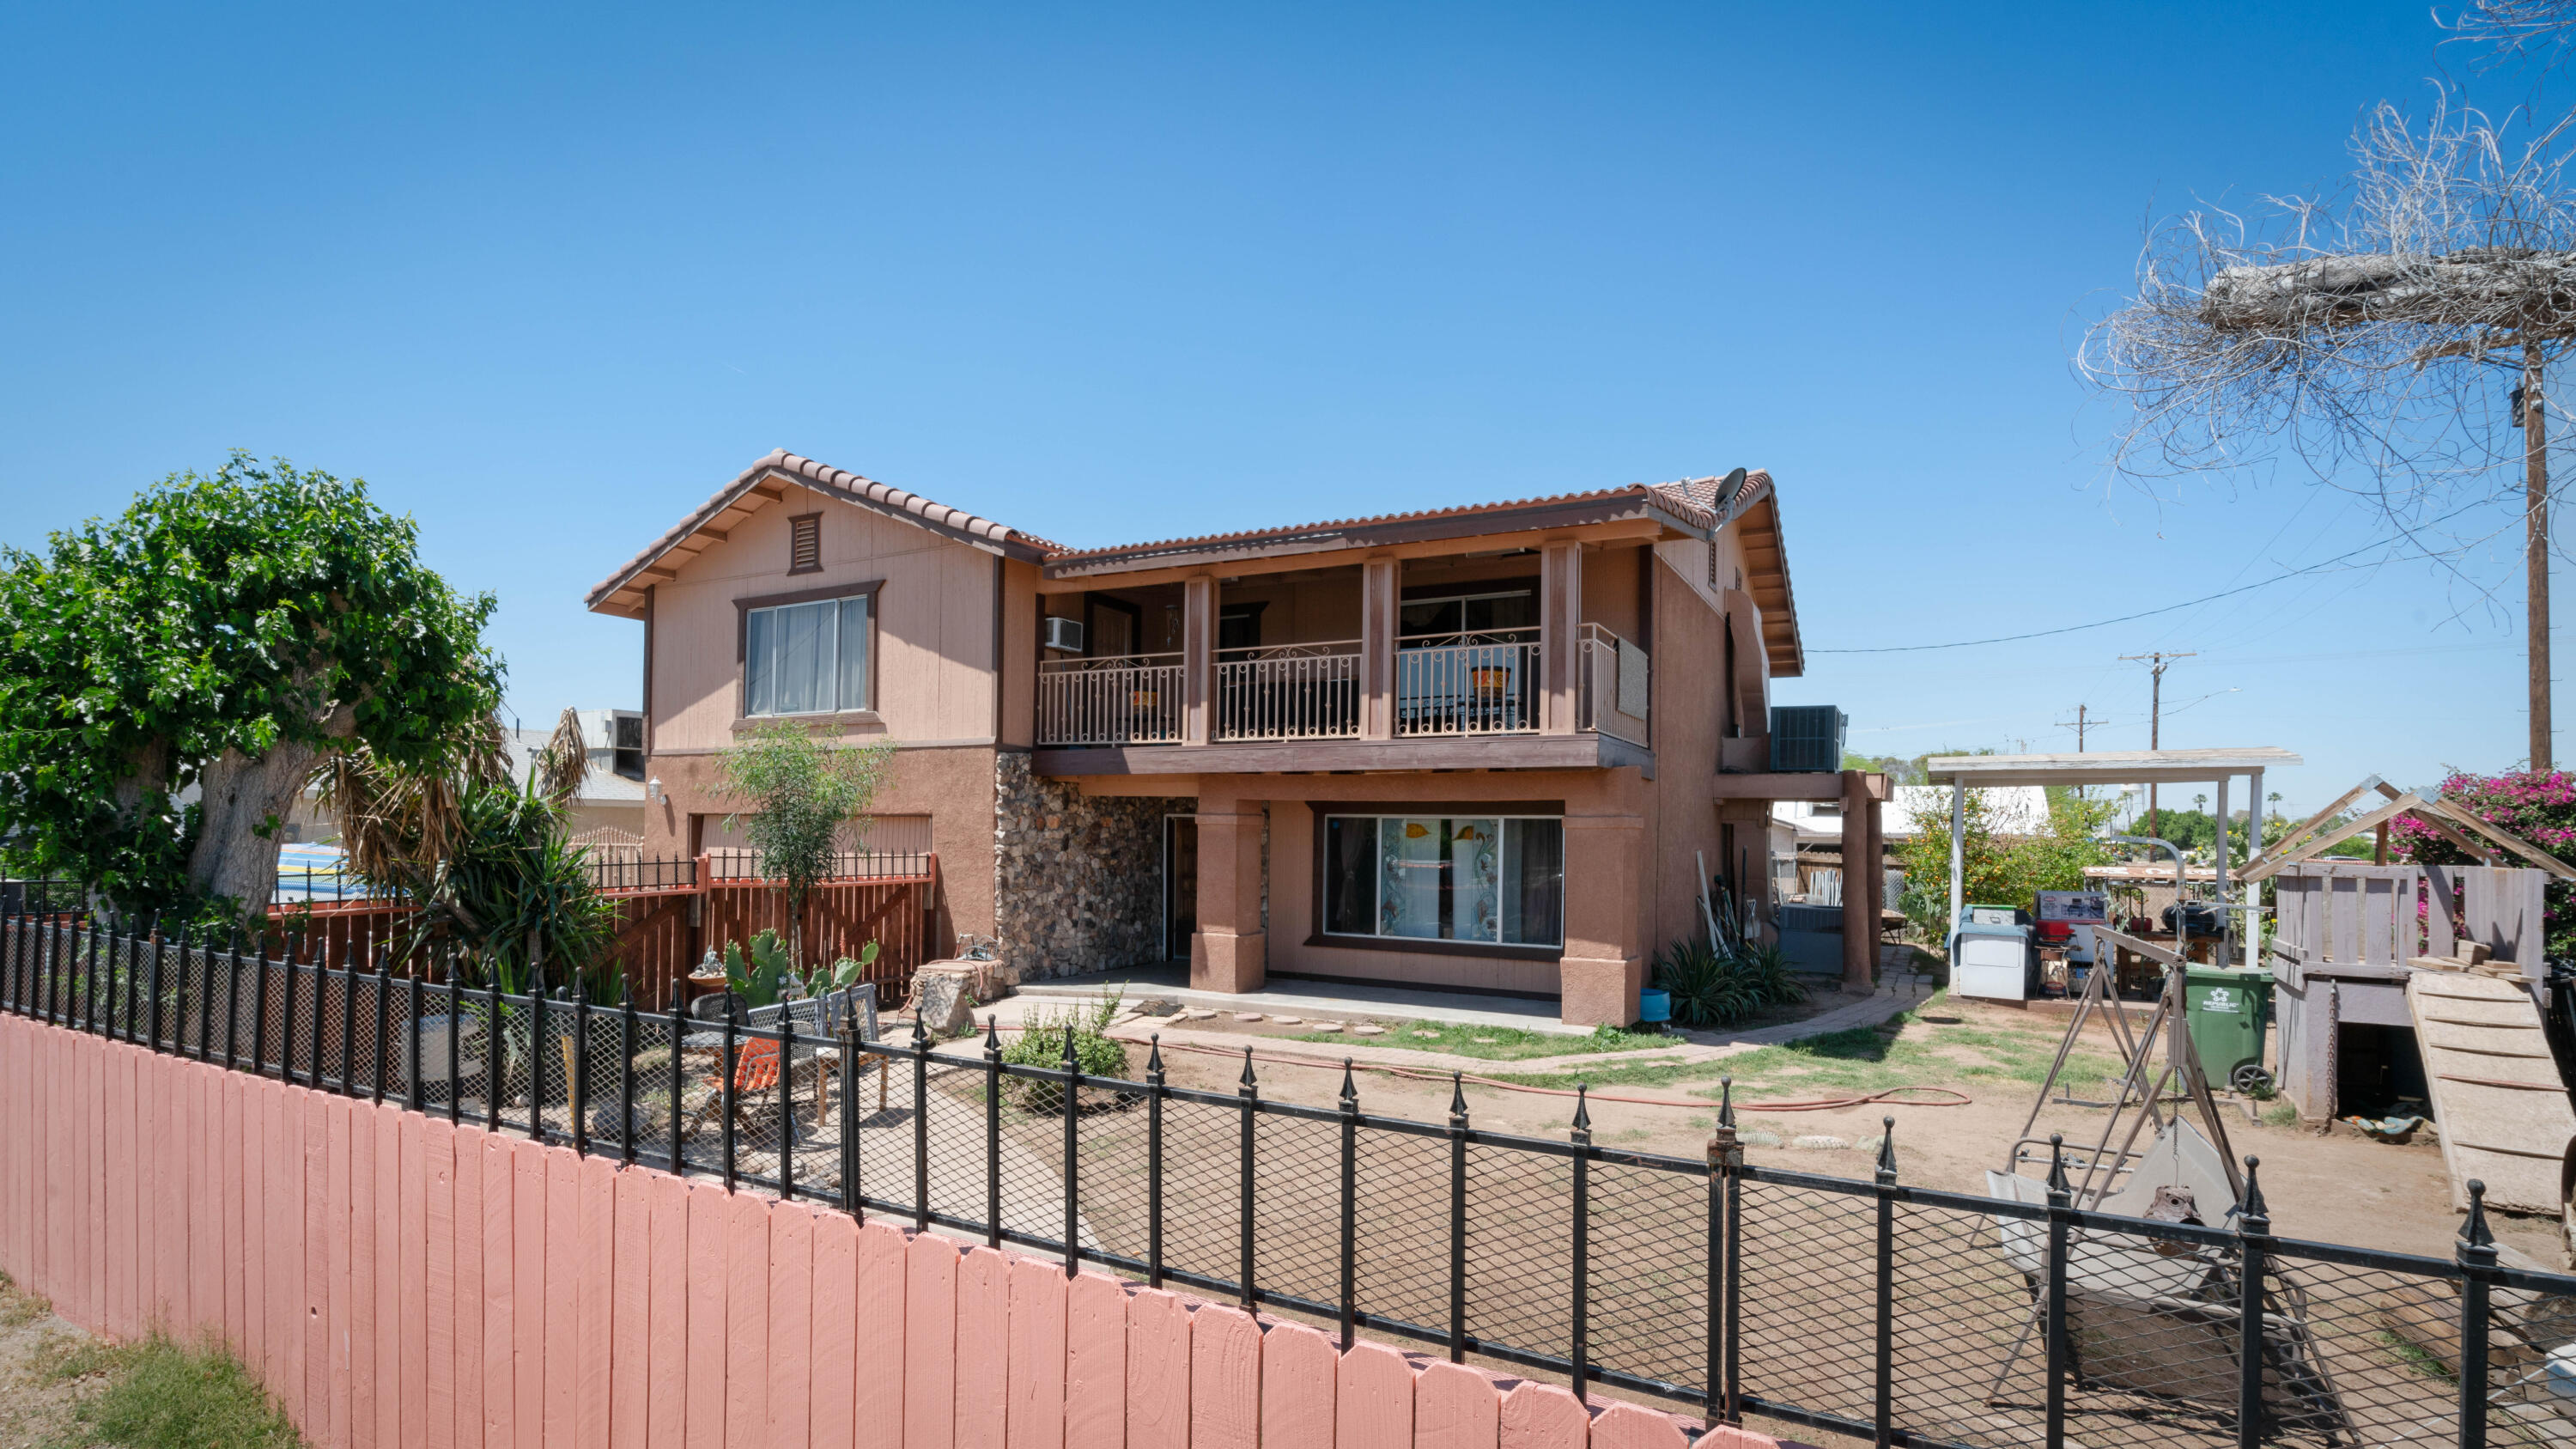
[[2228, 1011]]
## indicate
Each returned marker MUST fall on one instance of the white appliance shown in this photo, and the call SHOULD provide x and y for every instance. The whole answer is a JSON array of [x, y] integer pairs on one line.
[[1992, 959], [1063, 633]]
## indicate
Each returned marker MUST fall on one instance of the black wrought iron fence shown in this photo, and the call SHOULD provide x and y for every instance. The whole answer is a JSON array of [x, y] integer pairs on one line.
[[1899, 1314]]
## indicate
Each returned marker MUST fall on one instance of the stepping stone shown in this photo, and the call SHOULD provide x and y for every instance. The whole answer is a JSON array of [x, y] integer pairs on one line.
[[1198, 1016], [1485, 1040], [1289, 1020], [1428, 1035], [1819, 1143], [1326, 1025], [1247, 1016], [1365, 1030], [1756, 1137]]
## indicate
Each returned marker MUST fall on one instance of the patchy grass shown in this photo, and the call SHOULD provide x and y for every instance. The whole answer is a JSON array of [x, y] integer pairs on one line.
[[1904, 1051], [1500, 1043], [2284, 1114], [159, 1395]]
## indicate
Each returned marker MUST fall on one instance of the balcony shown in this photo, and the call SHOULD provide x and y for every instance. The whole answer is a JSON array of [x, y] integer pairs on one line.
[[1462, 699]]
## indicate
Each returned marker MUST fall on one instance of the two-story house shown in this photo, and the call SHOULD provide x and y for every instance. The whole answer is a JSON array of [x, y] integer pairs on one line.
[[1485, 748]]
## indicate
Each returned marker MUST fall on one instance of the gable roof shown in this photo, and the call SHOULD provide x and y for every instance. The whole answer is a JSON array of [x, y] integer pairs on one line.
[[768, 481], [1692, 507]]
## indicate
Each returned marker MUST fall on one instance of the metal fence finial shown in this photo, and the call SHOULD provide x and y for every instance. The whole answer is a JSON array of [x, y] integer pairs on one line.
[[1154, 1060], [2251, 1214], [1248, 1082], [1458, 1099], [993, 1035], [920, 1028], [2057, 1185], [1582, 1115], [1726, 1101], [1886, 1151], [2474, 1232]]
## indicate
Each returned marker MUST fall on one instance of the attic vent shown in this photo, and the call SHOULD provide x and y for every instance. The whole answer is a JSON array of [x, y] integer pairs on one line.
[[805, 544]]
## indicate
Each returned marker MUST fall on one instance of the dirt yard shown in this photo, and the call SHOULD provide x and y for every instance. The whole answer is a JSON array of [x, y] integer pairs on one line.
[[2337, 1187]]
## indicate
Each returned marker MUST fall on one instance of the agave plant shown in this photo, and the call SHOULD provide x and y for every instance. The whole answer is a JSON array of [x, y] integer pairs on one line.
[[1710, 988]]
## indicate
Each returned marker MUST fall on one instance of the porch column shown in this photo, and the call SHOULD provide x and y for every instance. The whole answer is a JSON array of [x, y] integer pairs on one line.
[[1602, 969], [1860, 925], [1228, 950], [1198, 659], [2254, 893], [1380, 592], [1958, 862], [1874, 850], [1560, 617]]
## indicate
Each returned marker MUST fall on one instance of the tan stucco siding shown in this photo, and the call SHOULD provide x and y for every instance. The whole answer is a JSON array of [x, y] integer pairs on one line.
[[934, 633]]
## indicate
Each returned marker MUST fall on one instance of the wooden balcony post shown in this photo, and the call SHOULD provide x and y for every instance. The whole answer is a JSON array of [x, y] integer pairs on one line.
[[1198, 660], [1560, 623], [1860, 923], [1380, 590]]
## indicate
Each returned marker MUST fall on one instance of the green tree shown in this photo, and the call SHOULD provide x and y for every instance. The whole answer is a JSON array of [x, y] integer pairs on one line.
[[797, 792], [230, 632], [1996, 869]]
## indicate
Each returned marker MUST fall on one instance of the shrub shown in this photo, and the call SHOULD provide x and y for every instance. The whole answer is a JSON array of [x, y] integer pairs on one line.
[[1040, 1043], [1711, 989]]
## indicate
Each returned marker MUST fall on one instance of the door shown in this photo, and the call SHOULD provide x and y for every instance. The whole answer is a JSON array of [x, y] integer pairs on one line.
[[1180, 885]]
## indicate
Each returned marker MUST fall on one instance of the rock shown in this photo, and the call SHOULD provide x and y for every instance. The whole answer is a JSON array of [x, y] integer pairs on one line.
[[1158, 1006], [941, 999], [1364, 1029], [1818, 1142]]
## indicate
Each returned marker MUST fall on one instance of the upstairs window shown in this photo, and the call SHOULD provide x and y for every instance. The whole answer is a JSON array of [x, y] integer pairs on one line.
[[806, 658]]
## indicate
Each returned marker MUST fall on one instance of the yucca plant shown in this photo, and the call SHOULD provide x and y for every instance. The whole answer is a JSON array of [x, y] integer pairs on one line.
[[1713, 989]]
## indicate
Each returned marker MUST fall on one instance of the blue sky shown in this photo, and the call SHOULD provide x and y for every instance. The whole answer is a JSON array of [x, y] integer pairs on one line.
[[548, 279]]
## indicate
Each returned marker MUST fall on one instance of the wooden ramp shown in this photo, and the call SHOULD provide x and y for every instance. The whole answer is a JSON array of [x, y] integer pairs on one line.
[[2497, 1096]]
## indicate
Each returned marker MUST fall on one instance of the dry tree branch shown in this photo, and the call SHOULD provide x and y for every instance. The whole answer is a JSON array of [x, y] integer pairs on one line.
[[2329, 330], [2512, 30]]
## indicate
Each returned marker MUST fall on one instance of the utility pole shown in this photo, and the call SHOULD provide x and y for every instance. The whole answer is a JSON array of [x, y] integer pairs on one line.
[[2155, 663], [2532, 414], [2078, 724]]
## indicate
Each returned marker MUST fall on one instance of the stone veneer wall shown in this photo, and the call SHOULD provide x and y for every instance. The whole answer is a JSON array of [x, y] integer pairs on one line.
[[1077, 879]]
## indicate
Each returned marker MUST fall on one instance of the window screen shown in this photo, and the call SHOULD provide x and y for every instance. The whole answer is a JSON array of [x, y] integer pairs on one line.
[[806, 658]]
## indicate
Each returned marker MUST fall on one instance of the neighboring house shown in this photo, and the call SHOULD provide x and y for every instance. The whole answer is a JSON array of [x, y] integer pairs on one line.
[[1481, 748], [2010, 809], [607, 809]]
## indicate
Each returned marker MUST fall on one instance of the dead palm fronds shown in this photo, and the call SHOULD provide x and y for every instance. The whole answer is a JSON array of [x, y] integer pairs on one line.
[[395, 823], [564, 760]]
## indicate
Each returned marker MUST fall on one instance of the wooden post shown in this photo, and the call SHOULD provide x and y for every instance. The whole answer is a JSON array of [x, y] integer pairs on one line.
[[1560, 621], [1874, 859], [1380, 591], [1860, 928], [1198, 659], [2535, 549], [2254, 891]]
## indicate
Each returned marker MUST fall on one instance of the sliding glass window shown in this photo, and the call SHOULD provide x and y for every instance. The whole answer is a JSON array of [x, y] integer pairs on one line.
[[1473, 878], [806, 658]]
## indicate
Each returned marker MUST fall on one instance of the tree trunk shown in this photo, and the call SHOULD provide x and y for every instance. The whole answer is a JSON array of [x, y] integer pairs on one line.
[[2535, 551], [245, 800]]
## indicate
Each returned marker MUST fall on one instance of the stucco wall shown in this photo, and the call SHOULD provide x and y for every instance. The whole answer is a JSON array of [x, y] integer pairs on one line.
[[934, 633], [1079, 877]]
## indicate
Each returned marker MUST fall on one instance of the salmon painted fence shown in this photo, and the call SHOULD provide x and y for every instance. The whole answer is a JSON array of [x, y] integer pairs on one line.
[[402, 1282]]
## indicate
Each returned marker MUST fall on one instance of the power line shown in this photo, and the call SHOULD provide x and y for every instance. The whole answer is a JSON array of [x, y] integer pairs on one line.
[[2156, 663]]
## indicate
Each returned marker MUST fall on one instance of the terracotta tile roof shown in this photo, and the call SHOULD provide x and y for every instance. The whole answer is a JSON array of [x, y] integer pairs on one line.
[[1691, 500], [867, 493]]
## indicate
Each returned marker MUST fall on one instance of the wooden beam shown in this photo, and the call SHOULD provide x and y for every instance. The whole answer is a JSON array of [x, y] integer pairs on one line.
[[2509, 841], [2273, 863], [2297, 833]]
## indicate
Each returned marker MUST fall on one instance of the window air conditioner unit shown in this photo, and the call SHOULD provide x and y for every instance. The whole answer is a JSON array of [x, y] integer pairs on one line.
[[1807, 737], [1063, 633]]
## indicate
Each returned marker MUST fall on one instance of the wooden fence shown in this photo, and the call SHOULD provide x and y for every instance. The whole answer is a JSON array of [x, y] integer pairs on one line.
[[670, 914]]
